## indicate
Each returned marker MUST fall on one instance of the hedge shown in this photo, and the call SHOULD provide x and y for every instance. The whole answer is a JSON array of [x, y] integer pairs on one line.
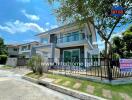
[[3, 59]]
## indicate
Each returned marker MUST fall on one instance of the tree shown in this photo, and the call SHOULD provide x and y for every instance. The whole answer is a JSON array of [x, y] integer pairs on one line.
[[127, 38], [3, 49], [96, 12], [123, 45], [118, 46]]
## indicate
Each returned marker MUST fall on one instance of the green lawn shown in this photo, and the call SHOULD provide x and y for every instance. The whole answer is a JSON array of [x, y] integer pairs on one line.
[[98, 86], [7, 67], [34, 75]]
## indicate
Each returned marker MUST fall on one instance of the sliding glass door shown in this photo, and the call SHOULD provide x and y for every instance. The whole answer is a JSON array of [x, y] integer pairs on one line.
[[71, 55], [67, 56]]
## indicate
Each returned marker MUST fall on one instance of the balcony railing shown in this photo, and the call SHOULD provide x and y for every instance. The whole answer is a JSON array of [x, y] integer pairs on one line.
[[70, 38]]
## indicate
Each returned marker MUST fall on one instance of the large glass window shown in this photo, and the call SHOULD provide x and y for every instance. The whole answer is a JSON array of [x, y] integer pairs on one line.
[[71, 55], [44, 40], [73, 36]]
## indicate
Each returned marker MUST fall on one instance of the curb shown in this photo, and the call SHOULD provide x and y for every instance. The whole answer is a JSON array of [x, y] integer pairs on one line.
[[73, 93], [30, 79]]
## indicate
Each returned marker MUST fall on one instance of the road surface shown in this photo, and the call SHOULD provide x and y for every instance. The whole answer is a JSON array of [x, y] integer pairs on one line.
[[13, 87]]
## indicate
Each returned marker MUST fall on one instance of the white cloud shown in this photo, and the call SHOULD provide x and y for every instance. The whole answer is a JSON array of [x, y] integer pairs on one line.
[[30, 40], [20, 27], [53, 26], [24, 1], [6, 29], [47, 23], [30, 16]]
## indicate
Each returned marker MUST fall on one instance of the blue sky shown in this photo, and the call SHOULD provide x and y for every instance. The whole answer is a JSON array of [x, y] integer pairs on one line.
[[20, 20]]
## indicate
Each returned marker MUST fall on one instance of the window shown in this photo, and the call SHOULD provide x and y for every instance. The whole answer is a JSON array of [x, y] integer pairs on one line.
[[15, 49], [73, 36], [44, 40], [24, 48]]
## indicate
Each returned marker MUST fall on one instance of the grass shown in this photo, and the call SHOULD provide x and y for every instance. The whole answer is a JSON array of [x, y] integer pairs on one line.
[[7, 67], [115, 89], [34, 75]]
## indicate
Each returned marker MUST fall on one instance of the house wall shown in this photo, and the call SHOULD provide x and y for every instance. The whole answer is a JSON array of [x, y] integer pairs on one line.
[[13, 51], [57, 54], [86, 49]]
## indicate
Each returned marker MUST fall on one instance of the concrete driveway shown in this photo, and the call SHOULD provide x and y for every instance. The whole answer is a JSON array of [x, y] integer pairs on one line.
[[13, 87]]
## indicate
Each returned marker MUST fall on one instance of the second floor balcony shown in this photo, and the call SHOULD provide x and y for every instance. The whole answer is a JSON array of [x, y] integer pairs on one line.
[[71, 38]]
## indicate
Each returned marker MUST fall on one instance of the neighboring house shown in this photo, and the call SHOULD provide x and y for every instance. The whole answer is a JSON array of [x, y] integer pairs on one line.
[[68, 43], [25, 49], [12, 50]]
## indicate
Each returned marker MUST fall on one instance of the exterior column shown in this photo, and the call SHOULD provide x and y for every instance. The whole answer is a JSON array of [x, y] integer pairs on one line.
[[33, 52], [53, 51]]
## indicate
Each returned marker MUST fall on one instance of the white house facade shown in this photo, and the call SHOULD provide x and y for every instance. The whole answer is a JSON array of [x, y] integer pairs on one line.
[[68, 43]]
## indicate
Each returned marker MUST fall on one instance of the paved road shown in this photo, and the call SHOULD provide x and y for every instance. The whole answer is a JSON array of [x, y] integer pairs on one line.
[[12, 87]]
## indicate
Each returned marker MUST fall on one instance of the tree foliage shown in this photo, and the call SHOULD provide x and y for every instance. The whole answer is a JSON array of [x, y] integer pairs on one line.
[[3, 49], [97, 12], [123, 45]]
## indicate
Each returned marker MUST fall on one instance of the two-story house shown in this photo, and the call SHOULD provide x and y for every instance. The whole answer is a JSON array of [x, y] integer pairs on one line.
[[69, 43], [25, 49], [12, 50]]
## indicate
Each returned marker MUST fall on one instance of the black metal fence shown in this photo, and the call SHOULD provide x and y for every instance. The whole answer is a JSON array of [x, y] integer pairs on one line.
[[97, 67]]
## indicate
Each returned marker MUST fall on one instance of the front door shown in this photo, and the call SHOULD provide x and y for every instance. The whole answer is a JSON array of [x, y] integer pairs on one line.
[[71, 55]]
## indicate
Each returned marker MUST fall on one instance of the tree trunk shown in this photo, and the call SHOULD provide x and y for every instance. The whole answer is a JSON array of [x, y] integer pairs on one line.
[[105, 55], [110, 50], [108, 60]]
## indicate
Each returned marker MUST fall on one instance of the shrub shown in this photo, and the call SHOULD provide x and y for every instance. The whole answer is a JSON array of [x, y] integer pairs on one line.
[[39, 64], [35, 63], [3, 59], [32, 64]]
